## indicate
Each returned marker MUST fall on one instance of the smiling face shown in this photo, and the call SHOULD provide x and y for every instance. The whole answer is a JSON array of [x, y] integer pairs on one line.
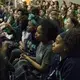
[[58, 45]]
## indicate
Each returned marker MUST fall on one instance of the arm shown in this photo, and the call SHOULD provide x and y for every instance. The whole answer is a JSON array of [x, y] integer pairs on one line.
[[2, 25], [34, 63], [8, 25], [23, 52], [45, 62]]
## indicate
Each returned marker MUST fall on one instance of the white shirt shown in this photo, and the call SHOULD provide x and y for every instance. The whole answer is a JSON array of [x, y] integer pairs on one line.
[[25, 35]]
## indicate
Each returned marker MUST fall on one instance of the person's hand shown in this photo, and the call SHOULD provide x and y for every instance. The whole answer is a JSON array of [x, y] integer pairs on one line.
[[24, 56], [1, 19], [21, 49], [21, 56], [17, 59], [7, 24], [3, 34], [21, 44]]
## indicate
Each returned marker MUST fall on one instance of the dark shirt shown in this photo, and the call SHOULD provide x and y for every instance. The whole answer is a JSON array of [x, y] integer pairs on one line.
[[69, 69], [31, 44], [1, 15], [17, 33]]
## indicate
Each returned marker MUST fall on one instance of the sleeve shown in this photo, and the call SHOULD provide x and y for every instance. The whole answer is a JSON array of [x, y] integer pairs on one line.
[[47, 58]]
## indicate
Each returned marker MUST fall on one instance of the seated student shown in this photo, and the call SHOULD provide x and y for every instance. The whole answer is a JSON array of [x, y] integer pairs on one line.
[[2, 64], [5, 65], [46, 34], [70, 23], [68, 46], [30, 44], [17, 24]]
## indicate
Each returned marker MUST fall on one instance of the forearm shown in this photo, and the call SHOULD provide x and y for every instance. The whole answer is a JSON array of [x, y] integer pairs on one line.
[[10, 27], [36, 65], [33, 58], [2, 24]]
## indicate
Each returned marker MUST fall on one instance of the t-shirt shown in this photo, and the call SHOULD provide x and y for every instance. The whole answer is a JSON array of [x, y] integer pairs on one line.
[[43, 56], [25, 35], [31, 44], [44, 53], [17, 33]]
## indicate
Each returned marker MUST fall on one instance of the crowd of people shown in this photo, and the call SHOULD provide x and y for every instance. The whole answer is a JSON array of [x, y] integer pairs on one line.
[[40, 41]]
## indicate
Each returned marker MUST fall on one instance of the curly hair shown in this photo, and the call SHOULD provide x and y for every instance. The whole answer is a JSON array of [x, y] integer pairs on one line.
[[50, 28]]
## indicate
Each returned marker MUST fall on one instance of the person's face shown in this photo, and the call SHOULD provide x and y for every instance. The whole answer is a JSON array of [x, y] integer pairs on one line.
[[29, 8], [62, 10], [70, 3], [15, 15], [73, 6], [38, 34], [78, 10], [37, 2], [30, 27], [55, 7], [19, 14], [58, 45], [44, 4], [69, 13], [51, 3], [78, 15], [11, 11], [41, 12], [68, 24], [53, 15]]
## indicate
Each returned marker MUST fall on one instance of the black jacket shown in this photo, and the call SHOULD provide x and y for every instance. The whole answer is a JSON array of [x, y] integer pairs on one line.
[[69, 69]]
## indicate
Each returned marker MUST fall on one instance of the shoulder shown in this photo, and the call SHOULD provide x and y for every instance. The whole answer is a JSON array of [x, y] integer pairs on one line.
[[70, 69]]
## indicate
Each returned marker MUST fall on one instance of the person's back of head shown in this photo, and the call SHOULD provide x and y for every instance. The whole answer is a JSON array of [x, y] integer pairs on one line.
[[50, 28], [75, 22], [72, 41], [24, 22], [35, 11]]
